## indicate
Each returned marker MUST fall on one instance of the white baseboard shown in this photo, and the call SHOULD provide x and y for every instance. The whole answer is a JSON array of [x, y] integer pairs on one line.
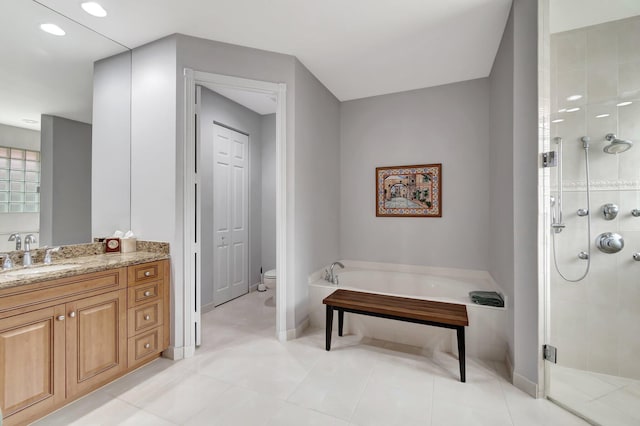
[[253, 287], [295, 332], [174, 353], [525, 385], [509, 365]]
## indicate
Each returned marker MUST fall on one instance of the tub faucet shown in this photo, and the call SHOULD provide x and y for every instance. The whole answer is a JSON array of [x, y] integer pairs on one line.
[[28, 240], [334, 278], [16, 237]]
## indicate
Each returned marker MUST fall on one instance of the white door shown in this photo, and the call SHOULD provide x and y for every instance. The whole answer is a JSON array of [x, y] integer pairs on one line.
[[230, 215]]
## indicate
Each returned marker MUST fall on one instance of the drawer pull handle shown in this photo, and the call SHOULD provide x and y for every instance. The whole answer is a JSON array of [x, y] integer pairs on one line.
[[72, 314], [147, 293], [147, 274], [60, 318], [147, 317], [147, 345]]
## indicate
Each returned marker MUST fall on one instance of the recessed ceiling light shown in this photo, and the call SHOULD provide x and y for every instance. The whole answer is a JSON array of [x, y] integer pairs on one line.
[[574, 97], [29, 121], [602, 115], [558, 120], [52, 29], [573, 109], [562, 110], [624, 103], [93, 8]]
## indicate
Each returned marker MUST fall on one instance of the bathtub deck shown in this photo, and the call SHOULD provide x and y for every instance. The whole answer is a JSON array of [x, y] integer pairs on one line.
[[439, 314]]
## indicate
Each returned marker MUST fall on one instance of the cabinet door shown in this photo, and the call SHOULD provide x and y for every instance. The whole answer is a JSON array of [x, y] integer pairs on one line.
[[96, 341], [32, 363]]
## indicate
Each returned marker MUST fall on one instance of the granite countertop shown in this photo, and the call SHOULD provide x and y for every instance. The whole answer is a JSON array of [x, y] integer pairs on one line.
[[76, 266]]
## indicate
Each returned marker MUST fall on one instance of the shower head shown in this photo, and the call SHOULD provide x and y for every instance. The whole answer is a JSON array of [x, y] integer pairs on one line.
[[616, 146]]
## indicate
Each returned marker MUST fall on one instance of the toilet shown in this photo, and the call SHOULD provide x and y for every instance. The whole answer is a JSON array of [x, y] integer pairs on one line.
[[270, 279]]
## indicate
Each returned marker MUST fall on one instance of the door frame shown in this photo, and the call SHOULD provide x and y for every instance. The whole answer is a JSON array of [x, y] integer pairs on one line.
[[192, 189]]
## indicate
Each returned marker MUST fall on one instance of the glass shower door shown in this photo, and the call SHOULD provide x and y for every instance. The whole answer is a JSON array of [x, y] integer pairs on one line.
[[594, 75]]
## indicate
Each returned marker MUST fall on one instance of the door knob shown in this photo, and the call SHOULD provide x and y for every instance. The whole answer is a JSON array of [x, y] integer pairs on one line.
[[147, 345], [60, 318], [147, 317], [147, 293], [147, 274], [72, 314]]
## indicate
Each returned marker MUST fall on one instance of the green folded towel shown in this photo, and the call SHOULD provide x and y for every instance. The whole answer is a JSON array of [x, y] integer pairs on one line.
[[487, 298]]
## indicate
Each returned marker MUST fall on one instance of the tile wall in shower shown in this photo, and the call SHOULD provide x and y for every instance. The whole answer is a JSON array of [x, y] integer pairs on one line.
[[594, 71]]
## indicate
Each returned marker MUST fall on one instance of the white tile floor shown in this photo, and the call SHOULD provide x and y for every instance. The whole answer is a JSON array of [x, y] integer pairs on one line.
[[242, 376], [603, 399]]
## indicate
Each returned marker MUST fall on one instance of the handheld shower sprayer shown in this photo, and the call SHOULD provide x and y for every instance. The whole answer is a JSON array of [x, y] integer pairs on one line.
[[557, 225]]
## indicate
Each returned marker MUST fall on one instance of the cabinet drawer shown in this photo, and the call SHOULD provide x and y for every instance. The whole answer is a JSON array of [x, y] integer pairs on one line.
[[30, 297], [145, 345], [145, 272], [145, 293], [144, 317]]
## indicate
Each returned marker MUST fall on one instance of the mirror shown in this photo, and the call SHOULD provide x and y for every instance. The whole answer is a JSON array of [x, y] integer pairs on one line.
[[46, 100]]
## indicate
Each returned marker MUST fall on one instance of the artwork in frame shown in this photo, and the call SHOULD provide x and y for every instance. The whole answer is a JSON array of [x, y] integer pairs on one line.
[[411, 191]]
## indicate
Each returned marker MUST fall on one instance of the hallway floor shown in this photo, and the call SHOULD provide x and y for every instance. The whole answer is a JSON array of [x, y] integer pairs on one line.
[[243, 376]]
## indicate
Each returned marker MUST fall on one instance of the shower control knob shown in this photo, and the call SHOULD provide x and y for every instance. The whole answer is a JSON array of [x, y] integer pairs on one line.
[[635, 212], [610, 211], [636, 257], [583, 212], [583, 255], [609, 242]]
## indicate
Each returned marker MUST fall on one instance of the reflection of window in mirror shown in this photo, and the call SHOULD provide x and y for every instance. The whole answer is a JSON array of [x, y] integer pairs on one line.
[[19, 180]]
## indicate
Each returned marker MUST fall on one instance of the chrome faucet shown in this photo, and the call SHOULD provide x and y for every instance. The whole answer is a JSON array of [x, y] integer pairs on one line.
[[16, 237], [8, 263], [47, 254], [28, 240], [334, 278]]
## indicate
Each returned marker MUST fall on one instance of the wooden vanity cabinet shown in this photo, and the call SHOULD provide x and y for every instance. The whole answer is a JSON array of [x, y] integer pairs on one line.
[[63, 338], [96, 347], [148, 313], [32, 359]]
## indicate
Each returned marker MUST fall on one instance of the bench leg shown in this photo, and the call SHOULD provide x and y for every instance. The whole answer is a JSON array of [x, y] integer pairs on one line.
[[329, 325], [340, 321], [461, 354]]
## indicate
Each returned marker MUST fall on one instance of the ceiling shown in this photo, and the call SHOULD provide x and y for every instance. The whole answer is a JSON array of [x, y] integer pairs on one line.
[[356, 48]]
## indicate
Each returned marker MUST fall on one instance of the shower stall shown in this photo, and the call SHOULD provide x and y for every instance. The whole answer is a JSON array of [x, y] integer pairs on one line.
[[591, 66]]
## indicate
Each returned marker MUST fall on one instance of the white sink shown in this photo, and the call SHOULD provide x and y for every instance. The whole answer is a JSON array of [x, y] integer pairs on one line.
[[40, 269]]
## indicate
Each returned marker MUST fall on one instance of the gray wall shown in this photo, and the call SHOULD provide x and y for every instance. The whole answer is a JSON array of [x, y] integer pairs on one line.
[[317, 181], [446, 124], [221, 58], [514, 179], [268, 155], [525, 185], [214, 107], [65, 198], [501, 235], [111, 173], [157, 144]]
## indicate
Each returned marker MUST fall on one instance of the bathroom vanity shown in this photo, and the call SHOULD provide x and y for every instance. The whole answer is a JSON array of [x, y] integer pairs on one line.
[[70, 329]]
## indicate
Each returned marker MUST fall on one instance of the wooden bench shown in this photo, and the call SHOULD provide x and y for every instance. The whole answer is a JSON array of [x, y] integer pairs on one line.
[[439, 314]]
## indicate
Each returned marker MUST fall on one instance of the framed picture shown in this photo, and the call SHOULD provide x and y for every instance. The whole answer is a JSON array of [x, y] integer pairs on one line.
[[412, 191]]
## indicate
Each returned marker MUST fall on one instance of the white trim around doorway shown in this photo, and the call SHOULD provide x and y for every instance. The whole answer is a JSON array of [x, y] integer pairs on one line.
[[192, 249]]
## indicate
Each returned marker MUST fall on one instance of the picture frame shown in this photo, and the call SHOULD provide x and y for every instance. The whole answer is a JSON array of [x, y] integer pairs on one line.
[[409, 191]]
